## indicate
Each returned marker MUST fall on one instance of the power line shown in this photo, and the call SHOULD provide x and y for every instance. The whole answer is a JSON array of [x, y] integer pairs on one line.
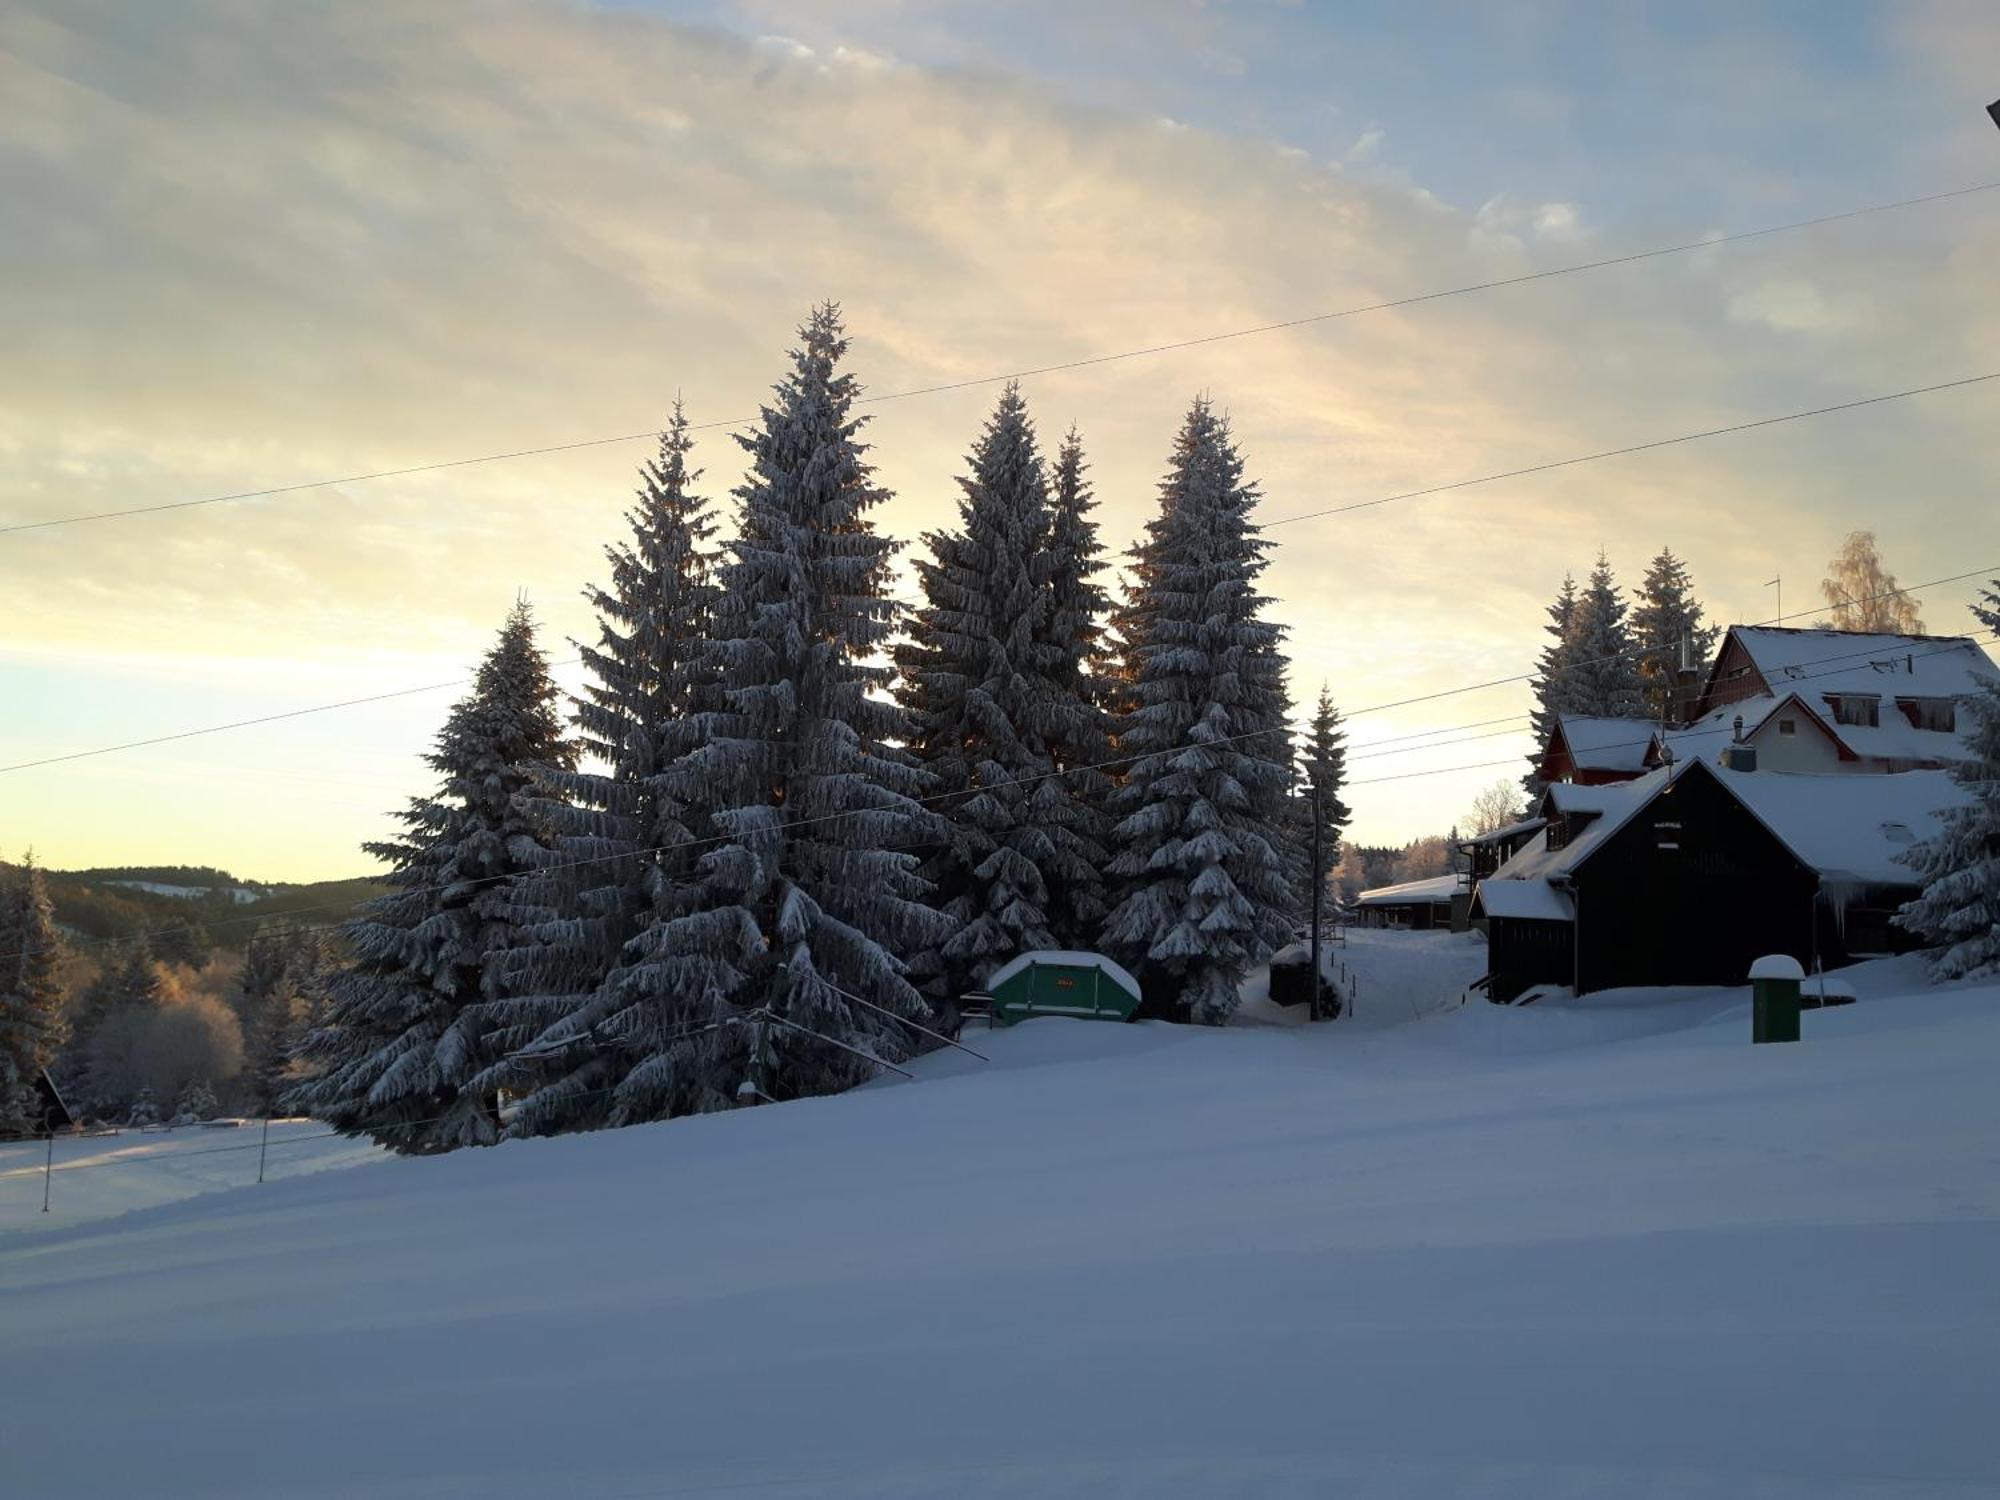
[[1951, 643], [1087, 362], [764, 1013], [73, 755], [1669, 442], [1686, 732]]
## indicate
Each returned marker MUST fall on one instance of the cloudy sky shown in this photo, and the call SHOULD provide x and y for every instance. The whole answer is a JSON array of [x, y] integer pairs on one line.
[[249, 244]]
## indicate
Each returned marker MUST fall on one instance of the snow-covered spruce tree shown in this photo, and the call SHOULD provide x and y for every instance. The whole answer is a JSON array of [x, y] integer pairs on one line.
[[31, 998], [593, 996], [401, 1038], [1323, 772], [1604, 674], [1959, 911], [808, 894], [1554, 684], [1205, 882], [990, 696], [1080, 740], [1669, 631]]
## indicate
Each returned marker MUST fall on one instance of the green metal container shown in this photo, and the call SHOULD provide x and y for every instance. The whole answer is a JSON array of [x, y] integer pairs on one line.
[[1087, 986], [1774, 998]]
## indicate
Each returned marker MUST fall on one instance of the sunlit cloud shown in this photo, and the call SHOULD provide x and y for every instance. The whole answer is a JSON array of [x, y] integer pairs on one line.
[[252, 247]]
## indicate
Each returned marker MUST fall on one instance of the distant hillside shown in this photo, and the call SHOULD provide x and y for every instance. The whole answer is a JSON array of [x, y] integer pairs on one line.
[[199, 906]]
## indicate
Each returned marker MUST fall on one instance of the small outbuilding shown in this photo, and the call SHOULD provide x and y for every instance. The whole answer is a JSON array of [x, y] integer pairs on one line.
[[1418, 904], [1059, 982]]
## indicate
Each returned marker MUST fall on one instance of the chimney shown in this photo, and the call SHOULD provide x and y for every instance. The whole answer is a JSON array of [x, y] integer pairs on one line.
[[1687, 688], [1741, 754]]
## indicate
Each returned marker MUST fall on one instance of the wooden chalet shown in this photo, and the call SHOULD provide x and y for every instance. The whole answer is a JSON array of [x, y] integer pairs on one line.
[[1688, 873]]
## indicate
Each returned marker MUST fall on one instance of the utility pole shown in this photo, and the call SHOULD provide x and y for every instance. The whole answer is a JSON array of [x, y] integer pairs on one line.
[[1318, 886]]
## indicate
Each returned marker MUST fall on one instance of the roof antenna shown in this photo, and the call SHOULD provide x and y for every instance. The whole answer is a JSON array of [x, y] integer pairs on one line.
[[1778, 583]]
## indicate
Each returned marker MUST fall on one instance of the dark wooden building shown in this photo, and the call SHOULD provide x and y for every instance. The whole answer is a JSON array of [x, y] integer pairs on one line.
[[1686, 875]]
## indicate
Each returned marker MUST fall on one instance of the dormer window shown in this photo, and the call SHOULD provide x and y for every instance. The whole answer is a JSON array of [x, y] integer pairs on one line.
[[1937, 714], [1863, 710]]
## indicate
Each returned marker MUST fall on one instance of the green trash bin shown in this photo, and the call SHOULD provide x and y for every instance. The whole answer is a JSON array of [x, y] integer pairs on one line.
[[1774, 998]]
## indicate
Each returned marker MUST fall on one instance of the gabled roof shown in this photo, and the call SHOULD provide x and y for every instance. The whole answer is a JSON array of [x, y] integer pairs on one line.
[[1848, 828], [1062, 958], [1438, 889], [1706, 738], [1849, 661], [1613, 806], [1605, 744], [1504, 835]]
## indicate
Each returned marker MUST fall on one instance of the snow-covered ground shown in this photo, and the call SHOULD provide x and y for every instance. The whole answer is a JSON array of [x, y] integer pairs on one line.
[[100, 1177], [1397, 976], [1559, 1251]]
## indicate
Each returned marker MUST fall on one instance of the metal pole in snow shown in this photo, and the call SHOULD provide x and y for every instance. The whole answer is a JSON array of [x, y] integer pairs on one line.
[[1313, 1013], [263, 1145], [49, 1169]]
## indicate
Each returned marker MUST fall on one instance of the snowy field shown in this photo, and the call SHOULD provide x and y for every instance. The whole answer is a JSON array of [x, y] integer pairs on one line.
[[100, 1177], [1567, 1252]]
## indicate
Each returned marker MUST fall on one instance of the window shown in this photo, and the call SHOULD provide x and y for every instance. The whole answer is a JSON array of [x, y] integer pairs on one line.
[[1855, 708], [1667, 834], [1939, 714], [1788, 726]]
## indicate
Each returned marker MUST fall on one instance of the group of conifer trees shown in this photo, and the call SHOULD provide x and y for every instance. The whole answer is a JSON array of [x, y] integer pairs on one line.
[[1610, 658], [788, 823]]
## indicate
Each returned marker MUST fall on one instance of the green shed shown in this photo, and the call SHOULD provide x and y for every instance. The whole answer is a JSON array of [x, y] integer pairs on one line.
[[1052, 982]]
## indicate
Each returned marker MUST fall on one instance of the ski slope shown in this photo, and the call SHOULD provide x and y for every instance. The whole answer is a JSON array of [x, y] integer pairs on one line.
[[1588, 1251]]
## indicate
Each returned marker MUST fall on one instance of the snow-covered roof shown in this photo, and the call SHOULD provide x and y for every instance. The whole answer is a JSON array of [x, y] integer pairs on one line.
[[1816, 664], [1848, 661], [1614, 804], [1511, 831], [1707, 737], [1439, 888], [1606, 744], [1525, 900], [1848, 827], [1574, 797], [1067, 958]]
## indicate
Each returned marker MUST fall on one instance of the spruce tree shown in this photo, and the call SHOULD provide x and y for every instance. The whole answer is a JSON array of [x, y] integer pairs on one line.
[[1604, 675], [1959, 911], [590, 998], [31, 998], [402, 1036], [808, 894], [1668, 631], [1201, 843], [1323, 772], [1554, 684], [1080, 740], [283, 995], [990, 697]]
